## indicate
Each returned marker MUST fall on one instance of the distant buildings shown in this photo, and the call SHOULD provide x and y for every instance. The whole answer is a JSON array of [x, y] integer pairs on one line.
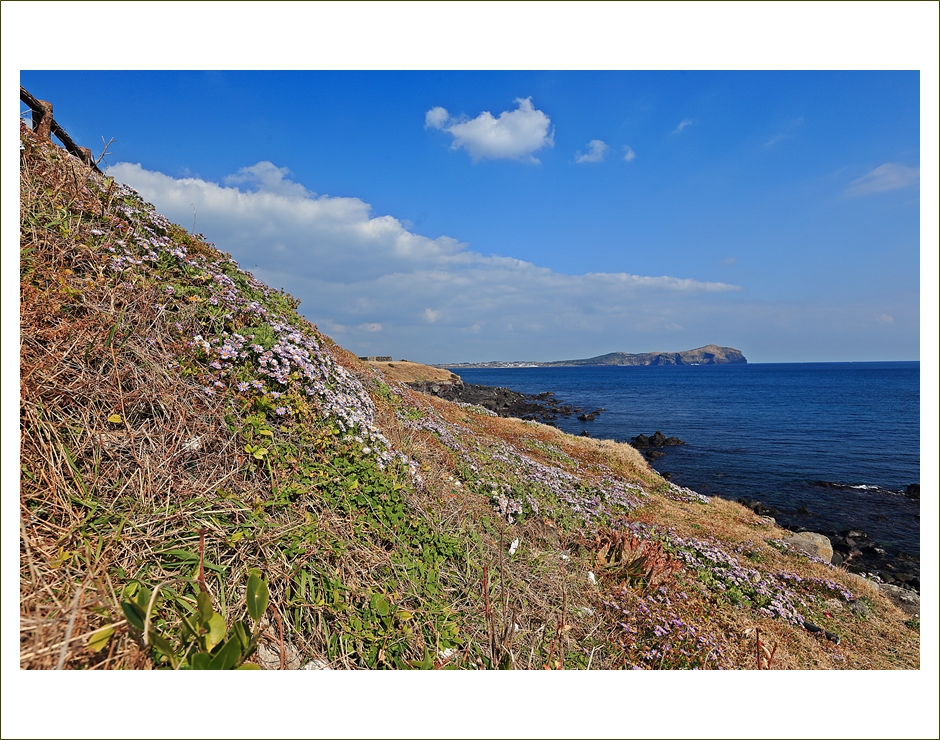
[[376, 358]]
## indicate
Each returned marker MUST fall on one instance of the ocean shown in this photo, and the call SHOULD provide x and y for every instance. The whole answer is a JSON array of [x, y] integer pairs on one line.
[[831, 445]]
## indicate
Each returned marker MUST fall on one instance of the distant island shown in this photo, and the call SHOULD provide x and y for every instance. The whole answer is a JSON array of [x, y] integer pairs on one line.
[[710, 354]]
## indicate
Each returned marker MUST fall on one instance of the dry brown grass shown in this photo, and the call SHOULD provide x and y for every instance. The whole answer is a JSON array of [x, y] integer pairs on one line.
[[404, 371]]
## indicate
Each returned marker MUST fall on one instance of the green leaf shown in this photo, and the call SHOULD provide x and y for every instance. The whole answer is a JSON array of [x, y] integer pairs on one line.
[[200, 661], [241, 632], [184, 555], [99, 638], [115, 418], [134, 614], [161, 644], [143, 599], [266, 432], [189, 631], [256, 595], [248, 667], [380, 605], [227, 657], [204, 607], [216, 633]]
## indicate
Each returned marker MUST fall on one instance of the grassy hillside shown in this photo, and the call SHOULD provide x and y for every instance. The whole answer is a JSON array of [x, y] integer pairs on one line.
[[208, 481]]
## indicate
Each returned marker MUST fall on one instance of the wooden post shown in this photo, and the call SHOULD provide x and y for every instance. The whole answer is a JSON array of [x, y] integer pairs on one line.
[[42, 120]]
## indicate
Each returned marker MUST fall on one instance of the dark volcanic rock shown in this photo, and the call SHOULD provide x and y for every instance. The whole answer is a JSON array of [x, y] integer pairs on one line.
[[649, 446], [759, 508], [542, 407], [658, 439]]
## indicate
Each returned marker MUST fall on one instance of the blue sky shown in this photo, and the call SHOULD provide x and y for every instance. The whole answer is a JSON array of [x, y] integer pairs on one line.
[[538, 215]]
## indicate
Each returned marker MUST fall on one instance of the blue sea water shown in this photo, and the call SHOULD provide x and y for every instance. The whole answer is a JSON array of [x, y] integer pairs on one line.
[[764, 431]]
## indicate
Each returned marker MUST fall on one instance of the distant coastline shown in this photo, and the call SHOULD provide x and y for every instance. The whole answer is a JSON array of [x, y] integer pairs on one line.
[[710, 354]]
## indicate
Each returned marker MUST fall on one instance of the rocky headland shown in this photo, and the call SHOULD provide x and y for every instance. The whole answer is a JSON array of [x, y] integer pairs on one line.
[[710, 354]]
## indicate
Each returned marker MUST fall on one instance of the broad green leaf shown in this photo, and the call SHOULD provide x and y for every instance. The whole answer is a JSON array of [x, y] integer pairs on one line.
[[200, 661], [216, 633], [266, 432], [227, 657], [256, 595], [248, 667], [204, 607], [380, 605], [143, 599], [134, 614], [404, 616], [115, 418], [99, 638]]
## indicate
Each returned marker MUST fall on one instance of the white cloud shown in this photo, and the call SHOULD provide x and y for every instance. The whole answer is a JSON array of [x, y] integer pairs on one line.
[[514, 135], [628, 154], [682, 124], [353, 269], [884, 319], [436, 117], [596, 151], [265, 176], [889, 176]]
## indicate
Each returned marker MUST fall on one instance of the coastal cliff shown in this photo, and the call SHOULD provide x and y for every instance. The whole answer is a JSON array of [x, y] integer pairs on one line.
[[208, 481]]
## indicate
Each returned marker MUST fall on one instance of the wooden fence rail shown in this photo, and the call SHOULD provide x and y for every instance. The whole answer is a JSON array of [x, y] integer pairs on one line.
[[46, 126]]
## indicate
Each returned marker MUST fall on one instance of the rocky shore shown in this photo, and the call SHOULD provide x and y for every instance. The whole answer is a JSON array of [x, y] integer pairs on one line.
[[543, 407], [851, 549]]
